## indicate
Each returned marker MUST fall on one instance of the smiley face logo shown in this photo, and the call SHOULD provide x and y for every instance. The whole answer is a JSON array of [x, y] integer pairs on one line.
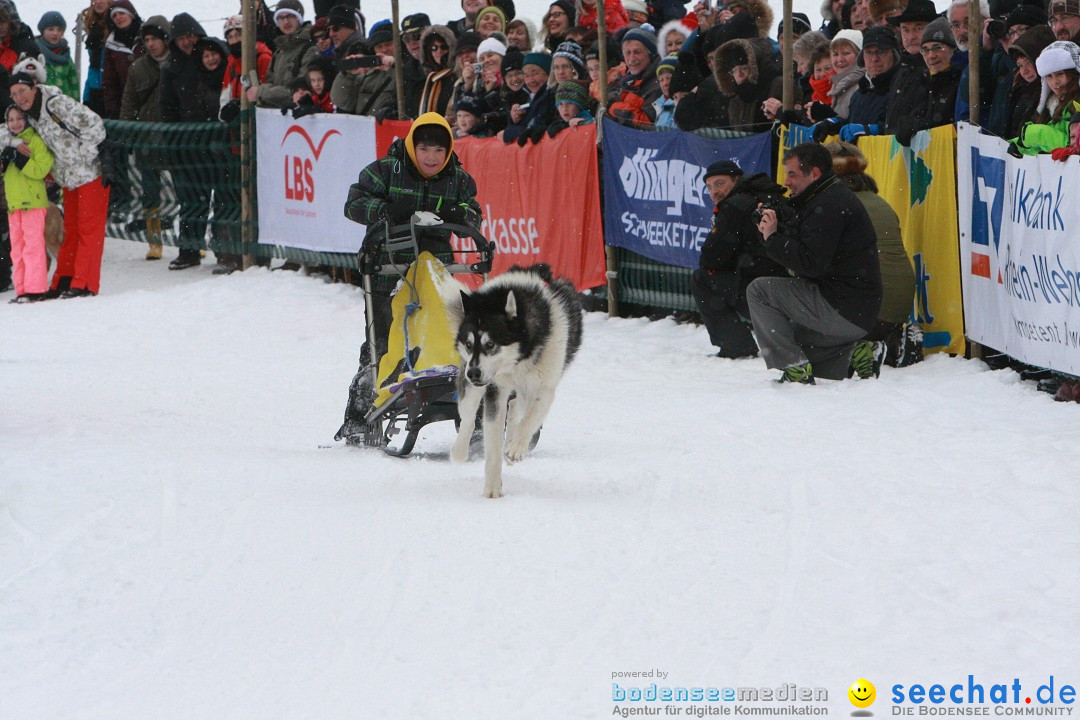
[[862, 693]]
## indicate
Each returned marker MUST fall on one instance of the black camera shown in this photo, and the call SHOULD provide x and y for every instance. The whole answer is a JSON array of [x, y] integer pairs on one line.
[[771, 202], [996, 29], [353, 63]]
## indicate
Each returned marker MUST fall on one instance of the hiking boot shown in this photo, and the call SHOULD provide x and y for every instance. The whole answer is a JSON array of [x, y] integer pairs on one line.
[[153, 251], [802, 374], [866, 359], [76, 293], [227, 265], [186, 259], [910, 350]]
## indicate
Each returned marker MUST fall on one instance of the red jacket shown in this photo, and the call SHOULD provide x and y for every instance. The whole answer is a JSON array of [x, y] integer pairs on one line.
[[615, 16], [232, 70]]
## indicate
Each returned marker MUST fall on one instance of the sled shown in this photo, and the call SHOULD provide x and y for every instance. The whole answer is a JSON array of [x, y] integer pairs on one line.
[[415, 381]]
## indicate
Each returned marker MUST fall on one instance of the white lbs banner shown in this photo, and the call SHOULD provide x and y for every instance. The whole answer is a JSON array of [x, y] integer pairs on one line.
[[305, 169], [1020, 251]]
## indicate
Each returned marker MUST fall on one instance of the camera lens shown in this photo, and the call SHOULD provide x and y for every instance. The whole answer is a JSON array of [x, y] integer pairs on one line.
[[996, 29]]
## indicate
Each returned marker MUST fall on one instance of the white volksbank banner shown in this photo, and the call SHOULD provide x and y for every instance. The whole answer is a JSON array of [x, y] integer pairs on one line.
[[305, 169], [1019, 231]]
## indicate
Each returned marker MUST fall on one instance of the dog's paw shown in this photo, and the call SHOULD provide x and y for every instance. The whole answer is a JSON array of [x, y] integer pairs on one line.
[[516, 450], [493, 491], [459, 453]]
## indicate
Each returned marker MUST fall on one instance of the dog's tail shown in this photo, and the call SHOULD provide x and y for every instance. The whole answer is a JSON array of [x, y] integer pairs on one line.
[[541, 270]]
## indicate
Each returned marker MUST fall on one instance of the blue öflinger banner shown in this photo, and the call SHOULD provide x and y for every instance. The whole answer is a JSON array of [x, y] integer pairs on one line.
[[655, 200]]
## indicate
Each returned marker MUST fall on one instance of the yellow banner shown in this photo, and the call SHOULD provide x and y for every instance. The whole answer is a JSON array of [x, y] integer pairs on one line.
[[919, 183]]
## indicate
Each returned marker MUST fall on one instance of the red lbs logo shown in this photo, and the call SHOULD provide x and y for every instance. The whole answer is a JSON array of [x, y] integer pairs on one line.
[[299, 184]]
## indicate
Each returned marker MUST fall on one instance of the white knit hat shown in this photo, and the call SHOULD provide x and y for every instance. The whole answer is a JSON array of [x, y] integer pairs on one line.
[[491, 45], [1058, 56], [852, 36]]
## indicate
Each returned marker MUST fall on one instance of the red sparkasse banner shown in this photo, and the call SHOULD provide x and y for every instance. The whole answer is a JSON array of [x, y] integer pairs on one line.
[[386, 132], [541, 202]]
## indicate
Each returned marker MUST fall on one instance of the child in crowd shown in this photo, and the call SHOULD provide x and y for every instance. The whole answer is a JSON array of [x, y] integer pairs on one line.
[[320, 76], [25, 165], [572, 102], [469, 118], [1059, 68], [665, 104], [59, 67]]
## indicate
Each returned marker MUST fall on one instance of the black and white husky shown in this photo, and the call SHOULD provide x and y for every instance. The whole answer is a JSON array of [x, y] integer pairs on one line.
[[515, 334]]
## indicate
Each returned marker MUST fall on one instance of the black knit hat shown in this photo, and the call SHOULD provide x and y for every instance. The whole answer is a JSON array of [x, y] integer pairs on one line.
[[342, 16], [507, 7], [466, 103], [568, 8], [686, 76], [514, 59], [1026, 14], [723, 167], [467, 41], [800, 23]]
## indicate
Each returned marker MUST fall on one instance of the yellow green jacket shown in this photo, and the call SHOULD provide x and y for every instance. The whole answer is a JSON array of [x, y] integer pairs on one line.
[[25, 187]]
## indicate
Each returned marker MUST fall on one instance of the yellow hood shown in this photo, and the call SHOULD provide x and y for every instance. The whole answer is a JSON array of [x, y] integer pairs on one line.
[[431, 118]]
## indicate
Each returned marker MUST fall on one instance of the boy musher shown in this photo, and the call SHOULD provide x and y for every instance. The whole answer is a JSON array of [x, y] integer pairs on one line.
[[419, 173]]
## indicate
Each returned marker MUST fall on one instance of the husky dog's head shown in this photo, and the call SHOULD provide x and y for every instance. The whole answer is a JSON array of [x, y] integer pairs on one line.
[[488, 335]]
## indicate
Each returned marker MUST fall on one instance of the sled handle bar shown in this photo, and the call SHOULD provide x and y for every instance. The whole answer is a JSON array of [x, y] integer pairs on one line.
[[403, 238]]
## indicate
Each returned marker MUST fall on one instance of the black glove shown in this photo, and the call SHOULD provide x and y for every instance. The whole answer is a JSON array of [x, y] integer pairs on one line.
[[557, 127], [1013, 149], [523, 138], [21, 160], [398, 212], [303, 109], [229, 111], [386, 112], [536, 134], [454, 214], [7, 155], [825, 128]]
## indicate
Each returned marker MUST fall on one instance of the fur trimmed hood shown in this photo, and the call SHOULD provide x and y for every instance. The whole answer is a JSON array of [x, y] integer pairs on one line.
[[760, 11], [425, 37], [754, 51], [677, 26]]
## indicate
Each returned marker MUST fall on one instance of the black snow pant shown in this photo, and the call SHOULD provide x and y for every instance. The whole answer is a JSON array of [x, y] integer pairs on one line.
[[721, 300]]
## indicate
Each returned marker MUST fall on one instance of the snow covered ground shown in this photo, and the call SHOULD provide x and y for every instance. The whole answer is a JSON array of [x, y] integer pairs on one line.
[[176, 542]]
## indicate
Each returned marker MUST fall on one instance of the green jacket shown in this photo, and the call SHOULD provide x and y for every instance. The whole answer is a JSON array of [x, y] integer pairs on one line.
[[897, 273], [24, 186], [395, 177], [1038, 138], [292, 53]]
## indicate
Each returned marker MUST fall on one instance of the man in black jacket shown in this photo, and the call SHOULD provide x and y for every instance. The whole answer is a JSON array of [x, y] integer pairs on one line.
[[732, 256], [807, 325], [186, 96]]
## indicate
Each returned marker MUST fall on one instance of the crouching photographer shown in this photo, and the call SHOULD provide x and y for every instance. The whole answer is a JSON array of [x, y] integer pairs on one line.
[[807, 324], [733, 256], [418, 173]]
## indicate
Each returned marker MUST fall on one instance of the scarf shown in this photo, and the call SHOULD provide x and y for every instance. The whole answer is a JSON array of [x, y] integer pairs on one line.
[[821, 89], [54, 54]]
